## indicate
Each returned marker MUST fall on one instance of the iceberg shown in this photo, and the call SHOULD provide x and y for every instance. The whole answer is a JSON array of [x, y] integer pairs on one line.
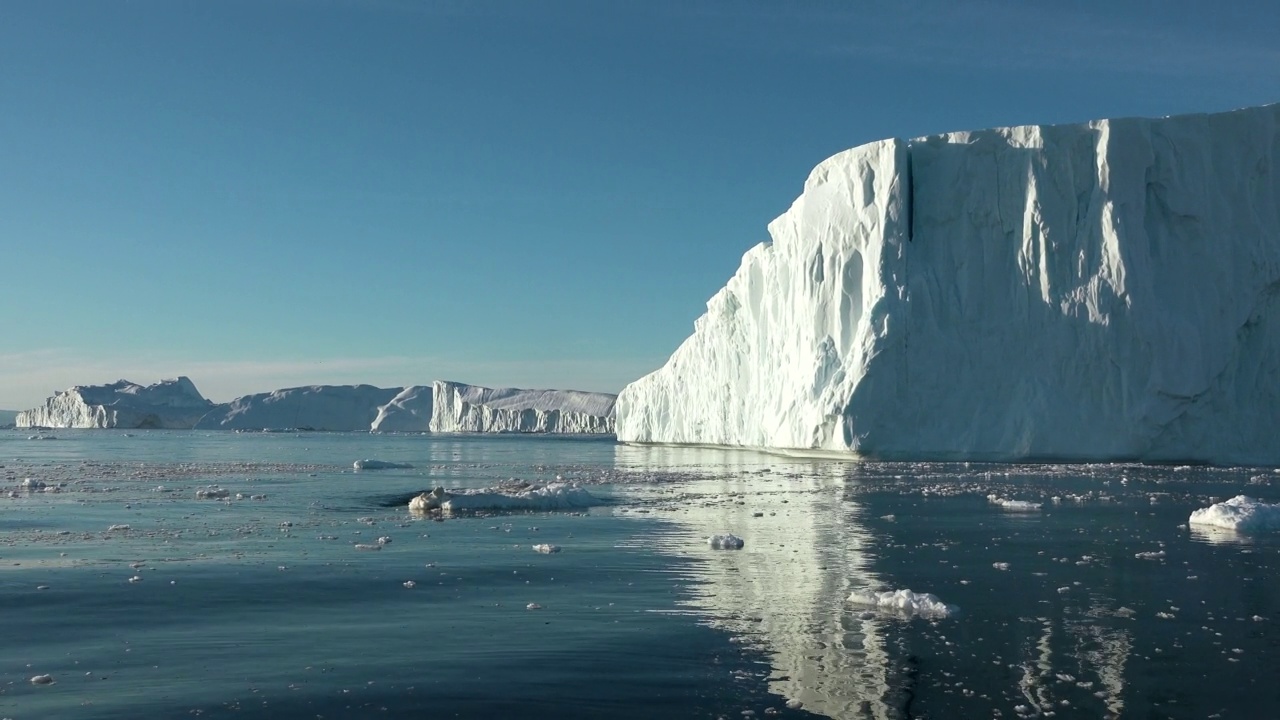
[[168, 404], [409, 411], [458, 407], [338, 408], [1241, 513], [1094, 292]]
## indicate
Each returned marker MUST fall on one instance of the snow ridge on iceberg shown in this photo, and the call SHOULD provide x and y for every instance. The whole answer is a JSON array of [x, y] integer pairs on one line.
[[1104, 291]]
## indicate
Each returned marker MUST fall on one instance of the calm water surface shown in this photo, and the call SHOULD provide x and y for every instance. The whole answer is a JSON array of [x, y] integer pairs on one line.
[[1103, 603]]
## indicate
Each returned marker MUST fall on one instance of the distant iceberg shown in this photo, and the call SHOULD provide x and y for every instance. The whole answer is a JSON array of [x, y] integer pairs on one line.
[[168, 404], [459, 407], [338, 408], [1101, 291]]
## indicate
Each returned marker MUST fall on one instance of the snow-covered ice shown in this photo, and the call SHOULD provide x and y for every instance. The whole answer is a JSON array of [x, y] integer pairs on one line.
[[1099, 291], [1241, 513], [546, 549], [905, 602]]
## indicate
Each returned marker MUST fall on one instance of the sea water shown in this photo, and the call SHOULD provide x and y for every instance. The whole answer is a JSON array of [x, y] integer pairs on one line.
[[1100, 602]]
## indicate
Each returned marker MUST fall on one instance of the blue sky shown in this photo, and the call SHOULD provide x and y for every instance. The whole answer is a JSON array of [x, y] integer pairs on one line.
[[270, 193]]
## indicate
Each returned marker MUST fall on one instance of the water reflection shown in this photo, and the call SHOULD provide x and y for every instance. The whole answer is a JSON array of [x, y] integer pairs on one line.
[[785, 591]]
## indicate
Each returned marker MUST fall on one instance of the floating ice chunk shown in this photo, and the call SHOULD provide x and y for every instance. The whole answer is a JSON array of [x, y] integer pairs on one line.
[[546, 549], [1241, 513], [1000, 565], [410, 584], [1154, 555], [1013, 505], [384, 540], [520, 496], [213, 492], [42, 680], [906, 602], [381, 465], [115, 528], [726, 542], [32, 484], [367, 546], [533, 606]]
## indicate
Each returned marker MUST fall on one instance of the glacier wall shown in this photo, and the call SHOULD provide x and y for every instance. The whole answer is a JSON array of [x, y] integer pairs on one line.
[[168, 404], [1100, 291], [458, 407]]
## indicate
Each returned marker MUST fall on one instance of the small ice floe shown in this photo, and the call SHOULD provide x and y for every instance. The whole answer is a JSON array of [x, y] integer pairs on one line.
[[384, 540], [546, 549], [1241, 513], [32, 485], [1000, 565], [512, 496], [904, 602], [42, 437], [533, 606], [135, 579], [118, 528], [726, 542], [42, 680], [1013, 505], [368, 546], [213, 492], [1154, 555], [410, 584], [380, 465]]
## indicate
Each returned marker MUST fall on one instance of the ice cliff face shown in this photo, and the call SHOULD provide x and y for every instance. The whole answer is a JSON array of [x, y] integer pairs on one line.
[[1100, 291], [339, 408], [170, 404], [471, 408]]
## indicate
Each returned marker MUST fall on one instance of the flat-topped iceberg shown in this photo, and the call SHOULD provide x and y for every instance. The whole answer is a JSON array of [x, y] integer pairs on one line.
[[470, 408], [1102, 291], [168, 404], [506, 497], [1241, 513]]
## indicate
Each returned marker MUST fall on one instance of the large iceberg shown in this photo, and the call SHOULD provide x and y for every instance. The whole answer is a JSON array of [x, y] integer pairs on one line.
[[168, 404], [1101, 291], [338, 408], [470, 408], [409, 411]]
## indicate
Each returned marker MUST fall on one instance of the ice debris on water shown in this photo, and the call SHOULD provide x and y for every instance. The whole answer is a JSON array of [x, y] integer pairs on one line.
[[1013, 505], [905, 602], [410, 584], [533, 606], [1241, 513], [546, 549], [213, 492], [512, 495], [726, 542], [42, 680]]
